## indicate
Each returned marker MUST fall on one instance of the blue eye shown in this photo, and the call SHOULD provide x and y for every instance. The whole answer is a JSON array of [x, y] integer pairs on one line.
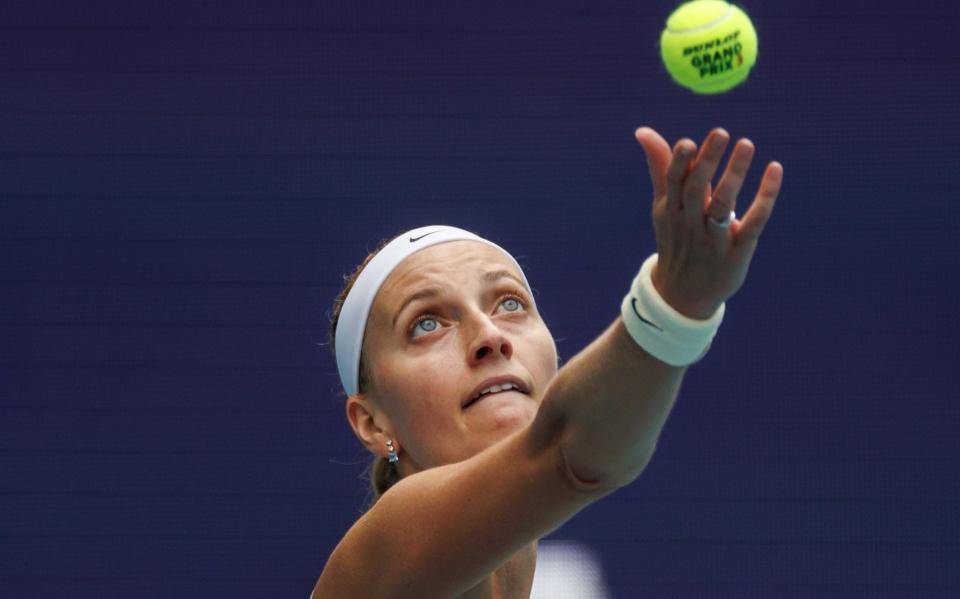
[[427, 325], [511, 304]]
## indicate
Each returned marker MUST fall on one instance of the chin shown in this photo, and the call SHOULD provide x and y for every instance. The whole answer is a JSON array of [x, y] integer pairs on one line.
[[508, 419]]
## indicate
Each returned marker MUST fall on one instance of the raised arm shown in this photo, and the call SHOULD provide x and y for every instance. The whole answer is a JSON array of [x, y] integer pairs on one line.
[[614, 397], [443, 531]]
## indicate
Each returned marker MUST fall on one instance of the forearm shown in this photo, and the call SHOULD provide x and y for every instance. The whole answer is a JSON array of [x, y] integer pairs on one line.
[[612, 400]]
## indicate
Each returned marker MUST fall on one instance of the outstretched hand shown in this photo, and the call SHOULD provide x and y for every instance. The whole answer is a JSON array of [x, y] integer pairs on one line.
[[702, 263]]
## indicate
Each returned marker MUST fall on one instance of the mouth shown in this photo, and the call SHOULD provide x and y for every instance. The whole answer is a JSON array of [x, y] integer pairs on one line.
[[494, 386]]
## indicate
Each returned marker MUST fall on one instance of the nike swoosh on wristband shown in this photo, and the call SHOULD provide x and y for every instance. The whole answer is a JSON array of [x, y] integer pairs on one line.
[[412, 239], [633, 304]]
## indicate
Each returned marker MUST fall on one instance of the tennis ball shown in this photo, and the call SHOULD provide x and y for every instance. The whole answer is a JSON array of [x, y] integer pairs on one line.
[[708, 46]]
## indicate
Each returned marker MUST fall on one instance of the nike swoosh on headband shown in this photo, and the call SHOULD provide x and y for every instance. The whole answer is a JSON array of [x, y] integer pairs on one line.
[[412, 239], [633, 304]]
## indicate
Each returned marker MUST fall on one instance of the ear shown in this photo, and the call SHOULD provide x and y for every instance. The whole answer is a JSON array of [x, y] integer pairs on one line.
[[370, 424]]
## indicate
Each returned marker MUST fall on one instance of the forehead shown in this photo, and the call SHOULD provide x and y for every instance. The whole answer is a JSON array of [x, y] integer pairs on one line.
[[446, 263]]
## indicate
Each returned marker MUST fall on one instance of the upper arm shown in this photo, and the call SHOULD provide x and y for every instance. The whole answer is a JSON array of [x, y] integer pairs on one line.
[[441, 531]]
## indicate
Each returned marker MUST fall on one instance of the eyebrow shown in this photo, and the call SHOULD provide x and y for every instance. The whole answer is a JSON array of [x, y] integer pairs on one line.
[[488, 277]]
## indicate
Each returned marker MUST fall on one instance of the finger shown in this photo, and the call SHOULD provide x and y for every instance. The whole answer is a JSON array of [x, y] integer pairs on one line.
[[658, 157], [724, 199], [719, 234], [694, 188], [683, 153], [759, 213]]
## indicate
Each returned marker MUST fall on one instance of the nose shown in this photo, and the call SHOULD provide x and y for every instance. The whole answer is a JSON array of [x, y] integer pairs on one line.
[[488, 342]]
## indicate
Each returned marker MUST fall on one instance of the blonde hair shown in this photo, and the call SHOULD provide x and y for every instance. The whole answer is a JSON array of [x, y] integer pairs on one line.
[[381, 473]]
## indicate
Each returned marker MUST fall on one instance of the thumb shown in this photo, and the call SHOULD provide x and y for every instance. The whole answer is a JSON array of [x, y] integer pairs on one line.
[[658, 158]]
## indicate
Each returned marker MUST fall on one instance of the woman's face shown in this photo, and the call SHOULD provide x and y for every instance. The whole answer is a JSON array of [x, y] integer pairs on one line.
[[447, 319]]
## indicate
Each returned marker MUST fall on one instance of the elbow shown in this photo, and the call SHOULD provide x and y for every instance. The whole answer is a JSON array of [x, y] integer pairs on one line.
[[585, 481], [604, 478]]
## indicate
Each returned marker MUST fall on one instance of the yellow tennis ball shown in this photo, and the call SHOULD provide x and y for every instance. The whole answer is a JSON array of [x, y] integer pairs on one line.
[[709, 46]]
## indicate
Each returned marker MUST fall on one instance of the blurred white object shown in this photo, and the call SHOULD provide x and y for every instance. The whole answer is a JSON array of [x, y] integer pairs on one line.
[[567, 570]]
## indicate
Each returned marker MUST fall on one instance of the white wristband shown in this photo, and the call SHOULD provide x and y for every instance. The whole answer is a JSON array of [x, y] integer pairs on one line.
[[663, 332]]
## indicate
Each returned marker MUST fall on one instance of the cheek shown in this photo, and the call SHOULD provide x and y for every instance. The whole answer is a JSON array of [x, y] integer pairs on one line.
[[420, 393], [537, 352], [547, 350]]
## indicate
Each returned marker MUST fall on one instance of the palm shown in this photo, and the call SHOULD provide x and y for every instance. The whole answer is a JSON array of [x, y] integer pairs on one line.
[[700, 264]]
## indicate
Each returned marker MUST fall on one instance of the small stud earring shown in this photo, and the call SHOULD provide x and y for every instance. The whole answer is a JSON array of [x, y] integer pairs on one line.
[[392, 453]]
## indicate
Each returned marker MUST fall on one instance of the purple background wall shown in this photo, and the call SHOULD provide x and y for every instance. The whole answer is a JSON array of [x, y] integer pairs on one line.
[[184, 185]]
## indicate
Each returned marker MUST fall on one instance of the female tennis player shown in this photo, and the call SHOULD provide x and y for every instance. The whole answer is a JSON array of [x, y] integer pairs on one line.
[[482, 445]]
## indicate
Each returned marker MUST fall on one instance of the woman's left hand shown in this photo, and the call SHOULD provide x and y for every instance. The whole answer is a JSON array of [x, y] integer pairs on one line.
[[701, 263]]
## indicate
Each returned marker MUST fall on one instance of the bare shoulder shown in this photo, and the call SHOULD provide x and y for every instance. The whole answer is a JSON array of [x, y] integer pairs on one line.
[[441, 531]]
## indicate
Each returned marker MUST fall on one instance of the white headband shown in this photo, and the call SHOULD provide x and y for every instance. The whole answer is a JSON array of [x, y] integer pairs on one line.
[[352, 321]]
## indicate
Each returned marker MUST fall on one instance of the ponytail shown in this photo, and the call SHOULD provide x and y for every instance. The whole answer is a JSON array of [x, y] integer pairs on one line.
[[383, 475]]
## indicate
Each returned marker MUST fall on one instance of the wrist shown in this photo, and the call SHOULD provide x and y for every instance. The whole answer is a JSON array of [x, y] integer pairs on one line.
[[659, 328], [679, 301]]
